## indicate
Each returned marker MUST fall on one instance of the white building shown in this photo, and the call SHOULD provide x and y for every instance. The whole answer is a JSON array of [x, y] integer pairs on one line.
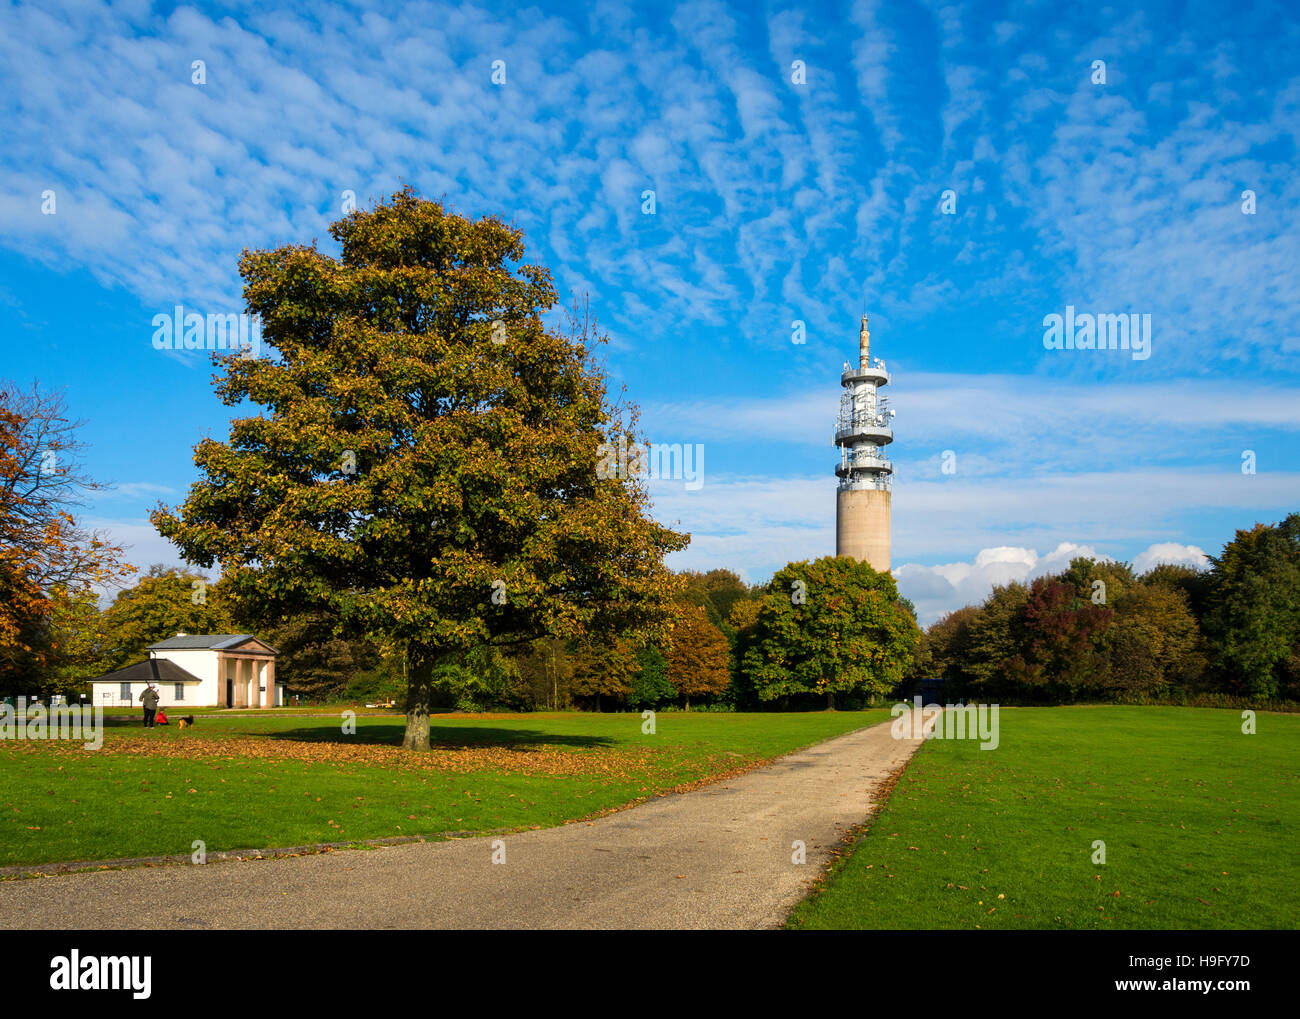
[[224, 670]]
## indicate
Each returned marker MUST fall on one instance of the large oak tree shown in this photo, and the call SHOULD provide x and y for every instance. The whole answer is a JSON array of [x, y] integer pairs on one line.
[[424, 466]]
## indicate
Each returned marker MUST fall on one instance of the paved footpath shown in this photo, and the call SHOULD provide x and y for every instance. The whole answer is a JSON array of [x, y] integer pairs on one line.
[[717, 857]]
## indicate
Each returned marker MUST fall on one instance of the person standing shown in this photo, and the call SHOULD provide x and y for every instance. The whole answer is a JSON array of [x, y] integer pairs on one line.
[[149, 698]]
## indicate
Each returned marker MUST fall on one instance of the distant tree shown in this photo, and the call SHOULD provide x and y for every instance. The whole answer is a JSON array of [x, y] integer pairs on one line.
[[488, 680], [716, 591], [603, 669], [1195, 585], [1063, 635], [1155, 644], [164, 602], [427, 468], [1098, 581], [742, 625], [75, 640], [938, 654], [650, 687], [386, 682], [830, 626], [985, 643], [546, 666], [698, 657], [313, 661], [1253, 618]]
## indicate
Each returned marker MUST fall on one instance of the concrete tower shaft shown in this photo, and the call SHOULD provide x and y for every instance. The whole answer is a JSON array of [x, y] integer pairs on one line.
[[864, 428]]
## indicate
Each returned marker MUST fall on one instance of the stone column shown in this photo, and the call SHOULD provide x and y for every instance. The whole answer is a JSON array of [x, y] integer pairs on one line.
[[239, 683]]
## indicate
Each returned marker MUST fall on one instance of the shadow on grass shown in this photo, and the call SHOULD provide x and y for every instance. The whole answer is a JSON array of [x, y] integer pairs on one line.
[[449, 737], [375, 733]]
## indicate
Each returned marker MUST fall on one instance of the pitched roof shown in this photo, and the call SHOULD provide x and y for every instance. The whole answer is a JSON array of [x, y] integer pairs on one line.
[[205, 642], [151, 670]]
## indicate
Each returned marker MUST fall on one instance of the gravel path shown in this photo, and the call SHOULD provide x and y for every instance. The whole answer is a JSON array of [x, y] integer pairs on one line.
[[717, 857]]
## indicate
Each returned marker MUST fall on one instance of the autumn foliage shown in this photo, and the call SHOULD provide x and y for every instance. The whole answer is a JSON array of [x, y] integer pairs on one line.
[[48, 563], [1098, 632], [422, 471], [699, 656]]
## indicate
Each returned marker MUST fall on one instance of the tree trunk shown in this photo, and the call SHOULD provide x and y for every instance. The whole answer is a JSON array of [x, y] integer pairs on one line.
[[830, 701], [419, 695], [688, 704]]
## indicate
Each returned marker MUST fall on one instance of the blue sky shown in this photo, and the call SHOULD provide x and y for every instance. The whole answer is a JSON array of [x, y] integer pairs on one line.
[[774, 201]]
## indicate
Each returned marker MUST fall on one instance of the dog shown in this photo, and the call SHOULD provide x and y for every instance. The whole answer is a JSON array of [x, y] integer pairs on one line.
[[188, 720]]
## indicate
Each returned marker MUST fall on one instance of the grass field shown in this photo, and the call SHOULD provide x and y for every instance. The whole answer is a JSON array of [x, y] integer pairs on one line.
[[266, 779], [1200, 825]]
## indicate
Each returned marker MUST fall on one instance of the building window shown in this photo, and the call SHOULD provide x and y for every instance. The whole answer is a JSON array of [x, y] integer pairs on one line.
[[125, 691], [180, 691]]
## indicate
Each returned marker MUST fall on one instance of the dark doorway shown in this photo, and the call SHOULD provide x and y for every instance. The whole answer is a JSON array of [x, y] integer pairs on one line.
[[230, 693]]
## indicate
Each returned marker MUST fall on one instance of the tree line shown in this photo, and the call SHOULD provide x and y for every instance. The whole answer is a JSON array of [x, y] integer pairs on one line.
[[725, 645], [1098, 632]]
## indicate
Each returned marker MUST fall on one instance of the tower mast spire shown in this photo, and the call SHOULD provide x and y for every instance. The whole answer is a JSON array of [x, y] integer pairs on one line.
[[864, 429]]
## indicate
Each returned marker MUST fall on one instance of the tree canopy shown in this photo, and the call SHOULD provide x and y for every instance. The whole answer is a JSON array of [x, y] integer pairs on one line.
[[1254, 609], [163, 602], [826, 627], [698, 657]]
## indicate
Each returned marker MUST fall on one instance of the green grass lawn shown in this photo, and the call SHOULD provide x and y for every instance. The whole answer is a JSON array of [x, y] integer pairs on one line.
[[259, 780], [1200, 824]]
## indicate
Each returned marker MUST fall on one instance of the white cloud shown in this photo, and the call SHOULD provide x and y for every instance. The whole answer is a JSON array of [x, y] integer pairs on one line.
[[142, 545], [936, 590], [1172, 553]]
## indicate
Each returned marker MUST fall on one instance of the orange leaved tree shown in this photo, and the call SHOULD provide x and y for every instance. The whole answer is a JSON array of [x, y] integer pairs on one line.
[[699, 657]]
